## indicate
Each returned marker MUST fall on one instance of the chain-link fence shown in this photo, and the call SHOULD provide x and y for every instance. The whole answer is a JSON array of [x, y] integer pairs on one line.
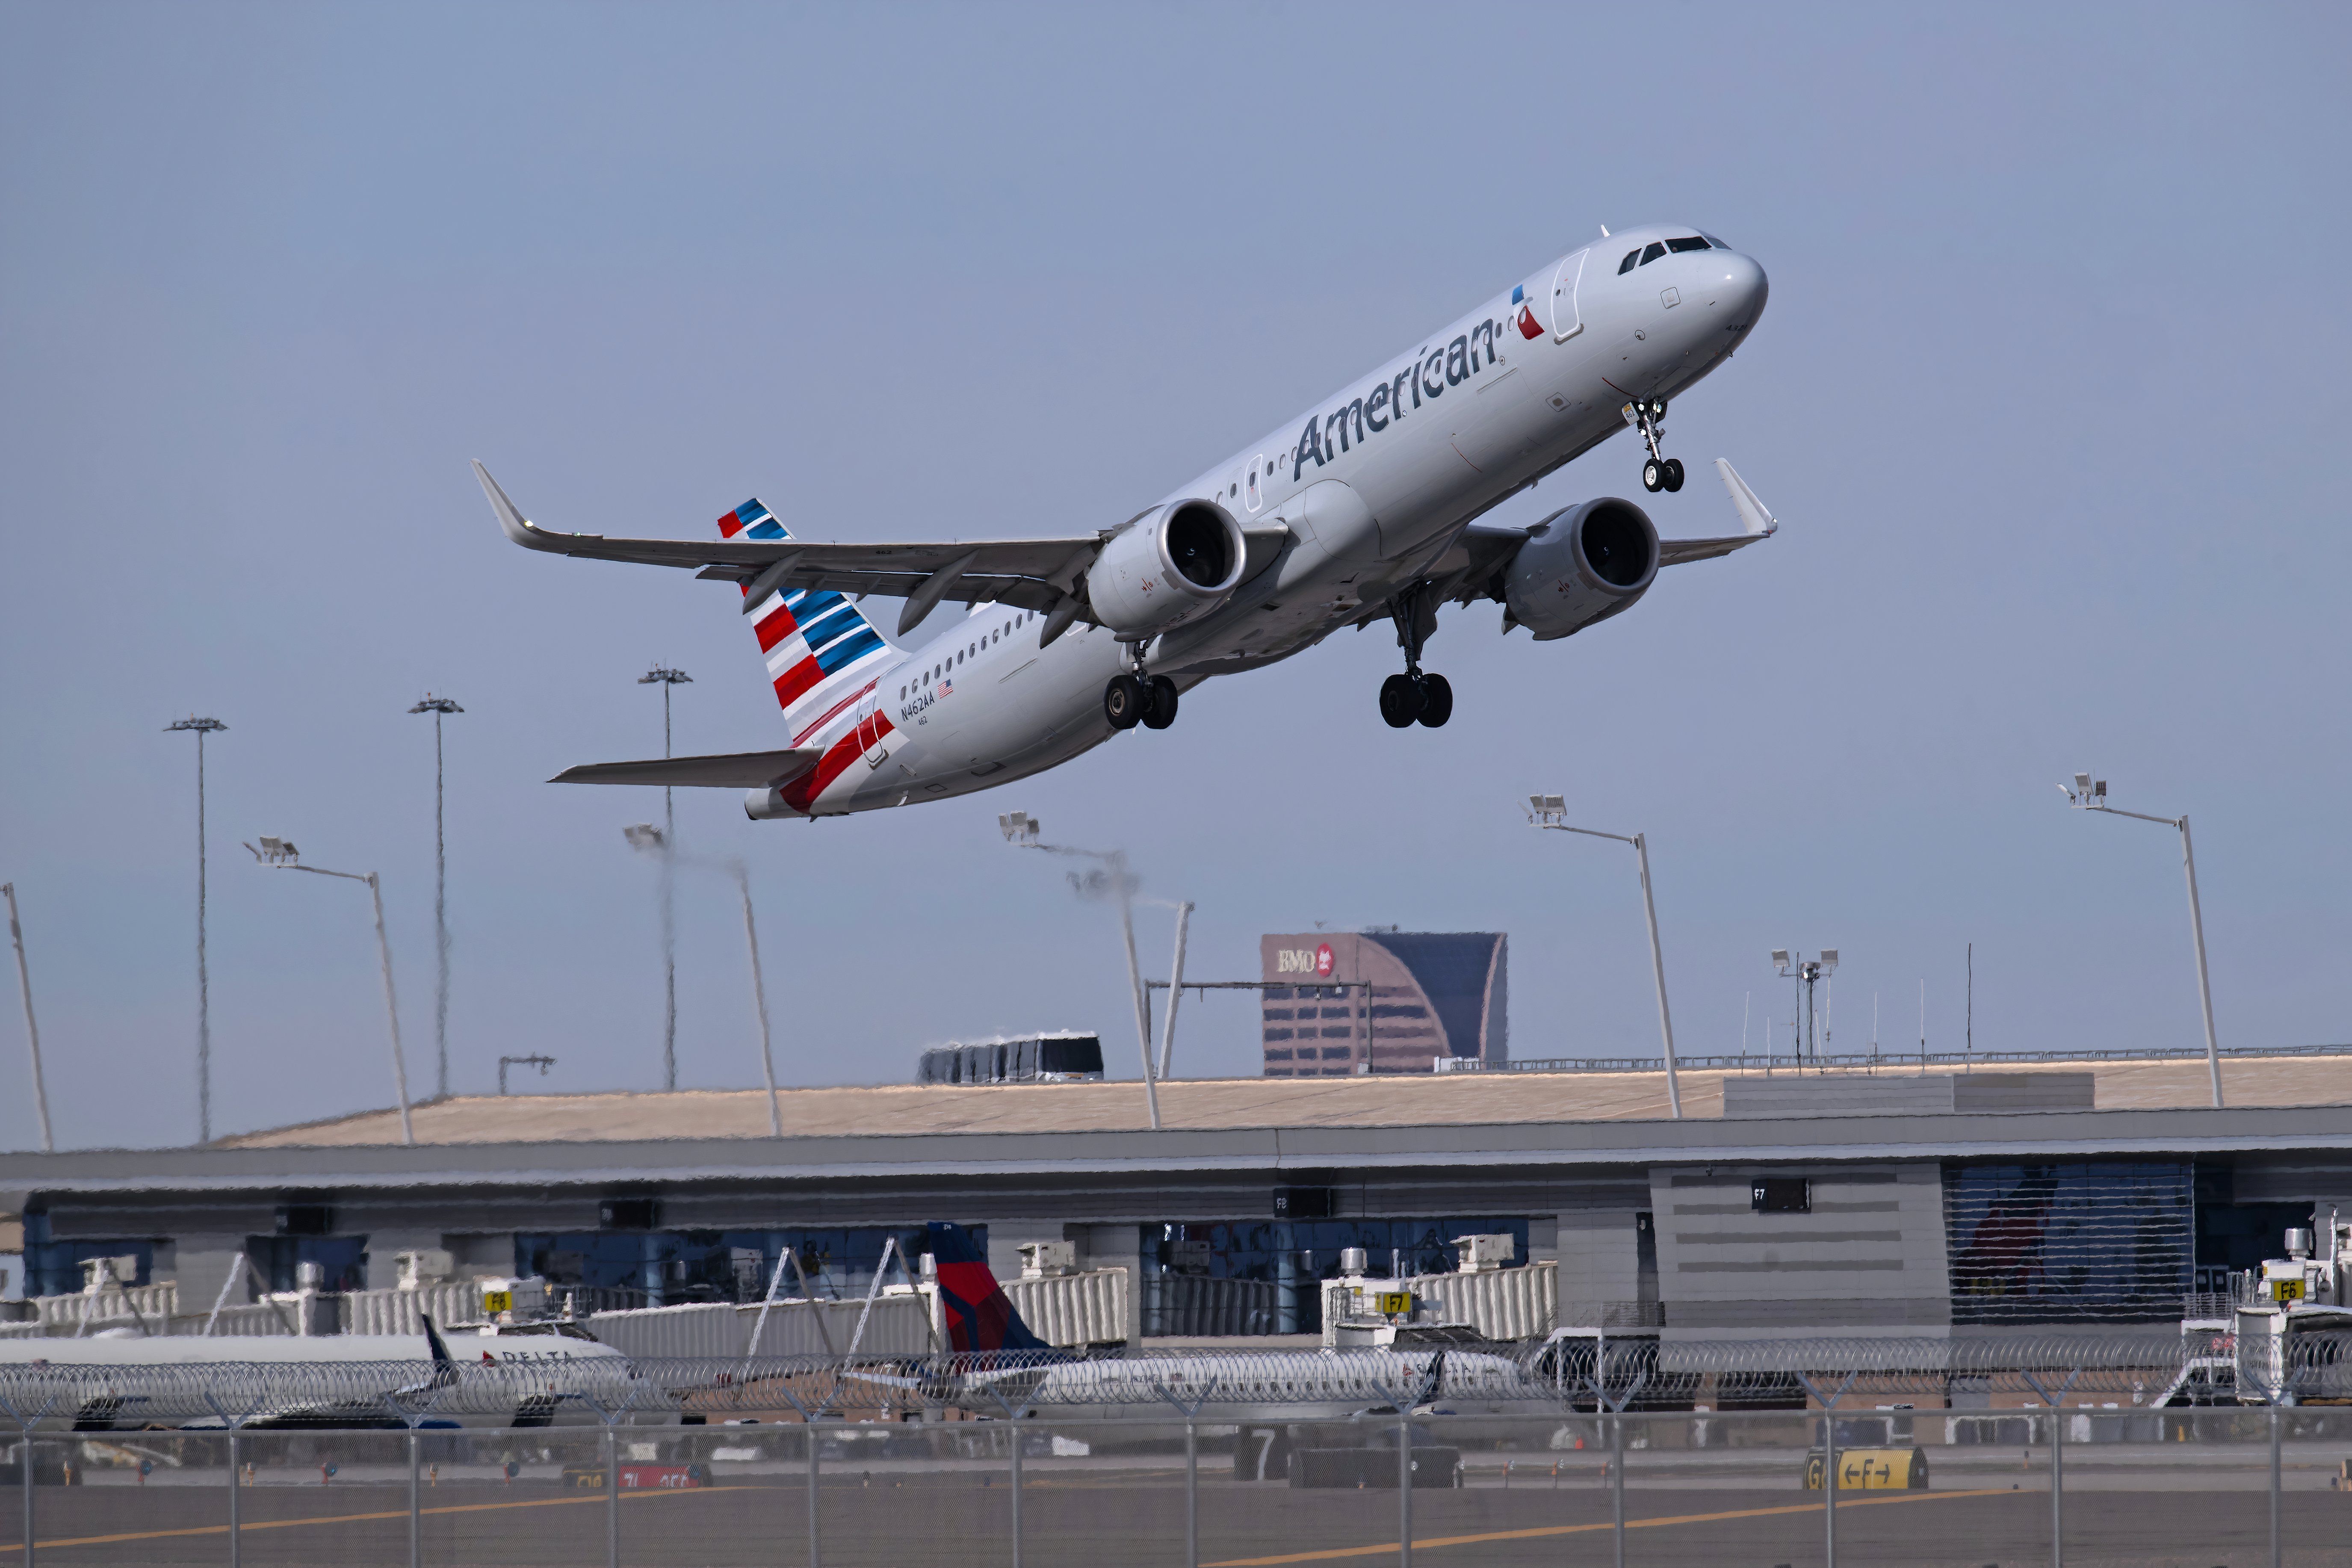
[[2093, 1483], [2136, 1449]]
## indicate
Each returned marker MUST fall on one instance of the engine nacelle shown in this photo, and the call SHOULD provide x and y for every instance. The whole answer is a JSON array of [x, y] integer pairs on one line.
[[1174, 564], [1582, 565]]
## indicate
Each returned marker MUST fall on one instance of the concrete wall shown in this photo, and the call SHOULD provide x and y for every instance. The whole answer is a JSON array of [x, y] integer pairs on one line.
[[1870, 1257], [1598, 1252]]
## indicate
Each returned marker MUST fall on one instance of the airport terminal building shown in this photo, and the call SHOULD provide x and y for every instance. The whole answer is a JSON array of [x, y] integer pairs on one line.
[[1943, 1202]]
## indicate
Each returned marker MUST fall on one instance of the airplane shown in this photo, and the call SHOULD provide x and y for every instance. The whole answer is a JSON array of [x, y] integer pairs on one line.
[[1369, 511], [997, 1366], [528, 1374]]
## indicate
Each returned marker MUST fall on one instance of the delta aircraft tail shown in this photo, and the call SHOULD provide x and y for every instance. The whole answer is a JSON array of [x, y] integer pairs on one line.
[[980, 1317]]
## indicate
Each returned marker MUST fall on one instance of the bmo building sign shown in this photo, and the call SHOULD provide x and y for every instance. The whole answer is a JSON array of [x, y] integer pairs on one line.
[[1316, 961], [1382, 1001]]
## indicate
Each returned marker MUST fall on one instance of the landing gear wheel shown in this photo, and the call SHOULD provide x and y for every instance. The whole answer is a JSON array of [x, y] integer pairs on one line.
[[1402, 700], [1438, 701], [1160, 712], [1654, 476], [1123, 702], [1673, 476]]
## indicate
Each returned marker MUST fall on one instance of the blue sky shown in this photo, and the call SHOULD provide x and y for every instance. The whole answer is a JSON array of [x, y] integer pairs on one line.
[[2047, 398]]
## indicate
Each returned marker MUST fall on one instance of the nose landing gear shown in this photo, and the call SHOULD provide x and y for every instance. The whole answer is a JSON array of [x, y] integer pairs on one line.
[[1415, 695], [1660, 472]]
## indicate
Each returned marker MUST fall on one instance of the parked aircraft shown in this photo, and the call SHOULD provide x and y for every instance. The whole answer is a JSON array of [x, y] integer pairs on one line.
[[539, 1374], [1364, 509]]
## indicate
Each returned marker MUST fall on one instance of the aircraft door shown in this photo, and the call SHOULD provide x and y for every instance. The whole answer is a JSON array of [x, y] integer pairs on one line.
[[1252, 495], [870, 729], [1566, 321]]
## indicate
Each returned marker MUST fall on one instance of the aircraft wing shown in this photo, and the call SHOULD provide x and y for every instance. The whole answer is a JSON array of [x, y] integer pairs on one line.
[[1760, 524], [733, 769], [1033, 574]]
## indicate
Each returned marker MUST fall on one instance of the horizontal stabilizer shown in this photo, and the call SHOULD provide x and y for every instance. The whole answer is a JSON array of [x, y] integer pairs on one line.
[[734, 770], [1758, 522]]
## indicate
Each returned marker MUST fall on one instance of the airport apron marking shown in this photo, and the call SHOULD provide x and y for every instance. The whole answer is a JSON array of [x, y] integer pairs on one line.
[[355, 1518], [1541, 1531]]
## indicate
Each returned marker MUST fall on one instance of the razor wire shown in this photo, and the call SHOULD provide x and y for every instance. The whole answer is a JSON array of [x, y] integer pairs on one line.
[[1557, 1375]]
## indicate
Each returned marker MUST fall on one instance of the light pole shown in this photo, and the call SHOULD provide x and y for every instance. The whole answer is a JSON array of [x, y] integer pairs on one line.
[[1175, 991], [280, 856], [2091, 794], [666, 678], [201, 728], [645, 838], [33, 1030], [439, 707], [1807, 972], [1550, 811], [1021, 831]]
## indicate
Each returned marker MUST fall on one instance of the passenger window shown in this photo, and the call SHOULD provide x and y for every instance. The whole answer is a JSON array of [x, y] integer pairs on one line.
[[1627, 265], [1652, 252], [1693, 243]]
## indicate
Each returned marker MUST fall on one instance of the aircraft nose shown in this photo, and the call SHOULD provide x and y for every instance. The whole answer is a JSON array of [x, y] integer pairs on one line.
[[1742, 288]]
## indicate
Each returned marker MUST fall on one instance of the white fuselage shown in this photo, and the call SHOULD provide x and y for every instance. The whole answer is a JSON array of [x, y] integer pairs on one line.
[[1370, 486]]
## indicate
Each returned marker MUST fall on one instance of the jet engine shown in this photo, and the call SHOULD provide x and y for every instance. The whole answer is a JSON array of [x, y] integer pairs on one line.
[[1581, 565], [1174, 564]]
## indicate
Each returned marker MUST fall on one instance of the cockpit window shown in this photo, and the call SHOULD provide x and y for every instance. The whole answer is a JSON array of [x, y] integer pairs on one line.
[[1652, 252], [1716, 243], [1693, 243], [1631, 258]]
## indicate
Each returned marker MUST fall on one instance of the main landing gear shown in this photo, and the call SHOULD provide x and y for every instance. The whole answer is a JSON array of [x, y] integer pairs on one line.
[[1415, 694], [1418, 695], [1660, 472], [1140, 698]]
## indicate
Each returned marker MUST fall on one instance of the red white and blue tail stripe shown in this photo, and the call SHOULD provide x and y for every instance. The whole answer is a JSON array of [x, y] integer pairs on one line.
[[823, 656]]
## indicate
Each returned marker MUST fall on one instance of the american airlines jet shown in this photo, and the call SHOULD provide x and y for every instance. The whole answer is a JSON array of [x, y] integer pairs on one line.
[[1365, 507]]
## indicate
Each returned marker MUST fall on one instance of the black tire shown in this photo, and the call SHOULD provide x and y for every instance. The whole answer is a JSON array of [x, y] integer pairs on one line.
[[1400, 700], [1673, 477], [1123, 702], [1161, 711], [1438, 701], [1654, 476]]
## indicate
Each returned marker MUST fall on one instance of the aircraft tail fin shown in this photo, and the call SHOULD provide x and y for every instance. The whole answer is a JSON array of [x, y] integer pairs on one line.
[[980, 1317], [821, 651]]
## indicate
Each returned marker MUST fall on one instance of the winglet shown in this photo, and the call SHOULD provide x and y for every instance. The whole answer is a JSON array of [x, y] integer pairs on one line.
[[434, 1343], [1761, 523], [516, 526]]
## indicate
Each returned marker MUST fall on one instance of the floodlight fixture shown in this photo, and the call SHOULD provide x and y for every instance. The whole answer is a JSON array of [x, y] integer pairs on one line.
[[1781, 962], [1020, 829], [274, 851], [1829, 961]]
